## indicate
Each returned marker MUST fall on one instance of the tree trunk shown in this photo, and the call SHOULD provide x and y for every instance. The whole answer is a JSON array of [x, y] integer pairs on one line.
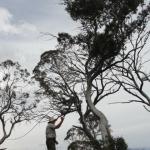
[[104, 127]]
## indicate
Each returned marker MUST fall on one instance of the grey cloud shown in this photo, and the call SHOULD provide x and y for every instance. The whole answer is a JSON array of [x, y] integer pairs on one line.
[[33, 10], [26, 53]]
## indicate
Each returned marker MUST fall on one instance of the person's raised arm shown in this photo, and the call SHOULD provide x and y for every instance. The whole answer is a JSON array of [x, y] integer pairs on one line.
[[59, 124]]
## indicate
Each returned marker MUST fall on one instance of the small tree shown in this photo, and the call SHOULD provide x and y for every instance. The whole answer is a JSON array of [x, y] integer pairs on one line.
[[15, 103], [120, 144], [78, 138]]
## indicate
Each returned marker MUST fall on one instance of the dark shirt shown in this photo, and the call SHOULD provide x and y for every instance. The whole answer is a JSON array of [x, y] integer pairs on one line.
[[50, 131]]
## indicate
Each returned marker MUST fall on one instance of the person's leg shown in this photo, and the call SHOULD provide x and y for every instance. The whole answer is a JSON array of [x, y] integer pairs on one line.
[[47, 144], [53, 147], [50, 144]]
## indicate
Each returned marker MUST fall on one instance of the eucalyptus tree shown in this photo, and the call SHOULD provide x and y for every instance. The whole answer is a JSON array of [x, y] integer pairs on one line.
[[15, 103], [77, 73]]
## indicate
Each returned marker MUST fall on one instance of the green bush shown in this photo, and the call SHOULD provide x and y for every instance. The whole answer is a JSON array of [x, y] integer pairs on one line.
[[120, 144]]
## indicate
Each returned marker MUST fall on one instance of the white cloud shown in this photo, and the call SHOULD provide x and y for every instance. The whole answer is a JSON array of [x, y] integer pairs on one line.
[[8, 27]]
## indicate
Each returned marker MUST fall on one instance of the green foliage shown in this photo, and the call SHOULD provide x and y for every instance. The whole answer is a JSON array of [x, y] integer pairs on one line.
[[84, 9], [96, 47], [115, 144], [81, 145], [107, 25], [121, 144], [91, 9]]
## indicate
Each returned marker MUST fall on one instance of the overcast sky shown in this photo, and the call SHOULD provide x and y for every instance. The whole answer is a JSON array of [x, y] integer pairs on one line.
[[22, 23]]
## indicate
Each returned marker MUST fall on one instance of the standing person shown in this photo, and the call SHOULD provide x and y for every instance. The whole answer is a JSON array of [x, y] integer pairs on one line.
[[51, 133]]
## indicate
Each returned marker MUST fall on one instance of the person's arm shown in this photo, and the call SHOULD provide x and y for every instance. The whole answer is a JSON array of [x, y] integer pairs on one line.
[[59, 124]]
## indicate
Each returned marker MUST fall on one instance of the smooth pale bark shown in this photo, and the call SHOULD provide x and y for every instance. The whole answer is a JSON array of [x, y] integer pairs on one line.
[[104, 127]]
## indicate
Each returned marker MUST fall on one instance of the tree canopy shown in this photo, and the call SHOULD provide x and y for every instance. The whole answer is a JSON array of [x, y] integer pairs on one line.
[[16, 105], [79, 71]]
